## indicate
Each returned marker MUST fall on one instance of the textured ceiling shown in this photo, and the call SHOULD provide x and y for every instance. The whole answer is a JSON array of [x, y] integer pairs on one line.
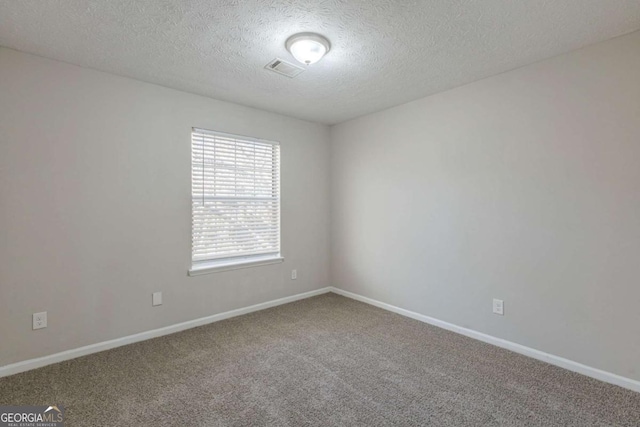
[[384, 52]]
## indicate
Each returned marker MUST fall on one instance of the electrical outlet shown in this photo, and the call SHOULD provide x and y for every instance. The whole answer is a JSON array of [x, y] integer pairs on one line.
[[156, 299], [498, 307], [39, 320], [294, 274]]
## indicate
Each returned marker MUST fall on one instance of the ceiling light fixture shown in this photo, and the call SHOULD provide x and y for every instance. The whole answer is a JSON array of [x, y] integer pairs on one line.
[[308, 48]]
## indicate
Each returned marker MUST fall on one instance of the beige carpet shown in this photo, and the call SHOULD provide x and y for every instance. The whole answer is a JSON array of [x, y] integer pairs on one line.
[[324, 361]]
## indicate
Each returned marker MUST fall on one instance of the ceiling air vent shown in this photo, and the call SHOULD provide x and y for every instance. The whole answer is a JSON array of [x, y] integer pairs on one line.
[[283, 67]]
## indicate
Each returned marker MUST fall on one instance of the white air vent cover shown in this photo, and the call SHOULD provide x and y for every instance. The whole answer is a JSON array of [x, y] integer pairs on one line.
[[283, 67]]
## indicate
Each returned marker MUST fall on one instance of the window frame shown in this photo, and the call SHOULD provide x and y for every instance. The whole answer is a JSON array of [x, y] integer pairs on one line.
[[200, 267]]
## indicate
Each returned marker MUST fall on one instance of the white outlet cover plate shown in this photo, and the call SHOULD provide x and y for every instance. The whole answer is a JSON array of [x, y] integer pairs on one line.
[[498, 306], [157, 299], [39, 320]]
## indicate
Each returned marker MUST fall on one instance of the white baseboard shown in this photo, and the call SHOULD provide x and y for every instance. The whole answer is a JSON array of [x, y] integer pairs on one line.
[[598, 374], [39, 362]]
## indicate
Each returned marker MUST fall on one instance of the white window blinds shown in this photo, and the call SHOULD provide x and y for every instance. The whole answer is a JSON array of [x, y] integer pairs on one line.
[[235, 197]]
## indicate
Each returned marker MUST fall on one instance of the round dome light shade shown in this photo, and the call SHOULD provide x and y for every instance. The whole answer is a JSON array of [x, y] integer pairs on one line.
[[308, 48]]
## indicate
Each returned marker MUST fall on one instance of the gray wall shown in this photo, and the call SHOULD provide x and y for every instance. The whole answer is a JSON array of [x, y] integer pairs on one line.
[[524, 186], [95, 206]]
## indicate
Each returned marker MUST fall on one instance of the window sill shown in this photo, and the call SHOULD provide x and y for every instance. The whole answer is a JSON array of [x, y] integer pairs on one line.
[[217, 266]]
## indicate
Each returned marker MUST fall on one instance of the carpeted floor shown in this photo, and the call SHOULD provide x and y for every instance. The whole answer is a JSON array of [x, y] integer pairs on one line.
[[324, 361]]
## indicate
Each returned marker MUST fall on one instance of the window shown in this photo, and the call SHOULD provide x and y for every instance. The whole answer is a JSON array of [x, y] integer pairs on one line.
[[235, 194]]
